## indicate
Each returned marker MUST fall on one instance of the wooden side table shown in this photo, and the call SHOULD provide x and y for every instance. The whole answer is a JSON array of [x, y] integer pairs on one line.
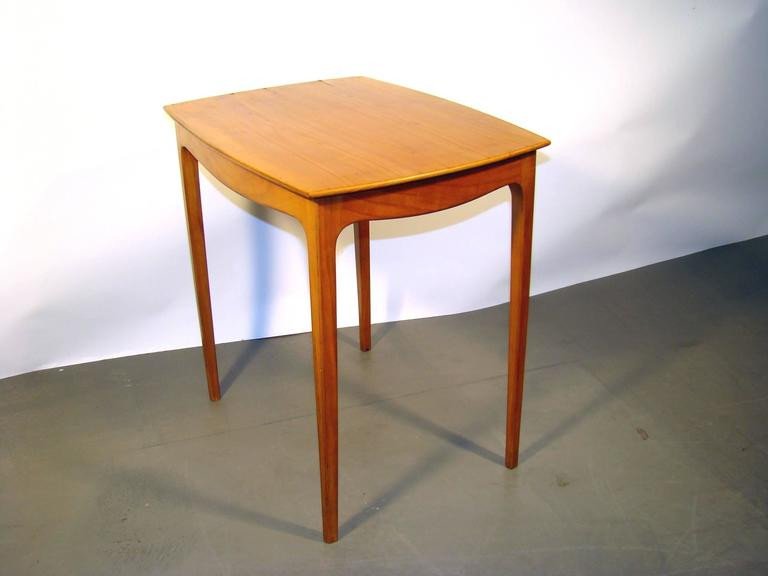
[[348, 151]]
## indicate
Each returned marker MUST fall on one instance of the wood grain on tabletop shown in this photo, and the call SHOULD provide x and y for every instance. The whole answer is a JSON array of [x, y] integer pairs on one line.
[[346, 135]]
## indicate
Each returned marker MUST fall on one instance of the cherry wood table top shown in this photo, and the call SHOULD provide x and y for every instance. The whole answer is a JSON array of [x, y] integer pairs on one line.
[[347, 135]]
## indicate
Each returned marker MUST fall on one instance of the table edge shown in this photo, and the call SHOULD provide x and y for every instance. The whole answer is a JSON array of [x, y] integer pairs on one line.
[[341, 190]]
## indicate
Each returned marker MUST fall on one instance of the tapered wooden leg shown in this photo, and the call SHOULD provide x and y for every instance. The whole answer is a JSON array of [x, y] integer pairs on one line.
[[363, 265], [191, 182], [520, 280], [321, 244]]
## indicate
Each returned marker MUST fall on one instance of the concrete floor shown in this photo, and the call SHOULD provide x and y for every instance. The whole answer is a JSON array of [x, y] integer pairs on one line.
[[645, 445]]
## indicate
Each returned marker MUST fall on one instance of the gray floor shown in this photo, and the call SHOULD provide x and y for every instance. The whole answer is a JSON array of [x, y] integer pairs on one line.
[[645, 445]]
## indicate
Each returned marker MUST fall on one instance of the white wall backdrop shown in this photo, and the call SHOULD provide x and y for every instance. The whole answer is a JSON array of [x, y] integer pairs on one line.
[[657, 112]]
